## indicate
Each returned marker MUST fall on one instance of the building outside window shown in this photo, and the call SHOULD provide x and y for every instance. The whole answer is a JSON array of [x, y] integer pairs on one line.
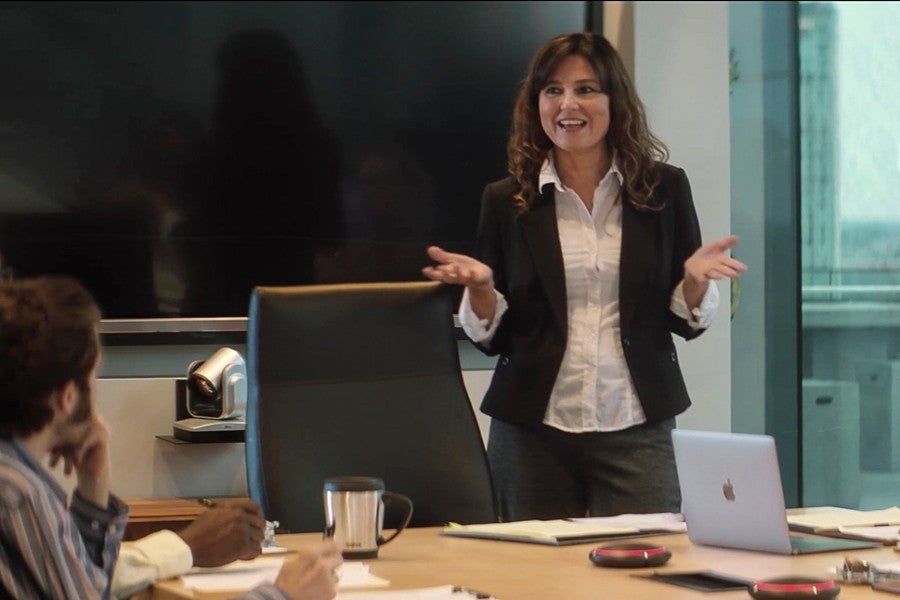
[[815, 140], [850, 250]]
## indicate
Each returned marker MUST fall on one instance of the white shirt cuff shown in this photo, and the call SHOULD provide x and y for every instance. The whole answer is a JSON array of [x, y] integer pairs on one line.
[[702, 316], [160, 555], [167, 551], [478, 329]]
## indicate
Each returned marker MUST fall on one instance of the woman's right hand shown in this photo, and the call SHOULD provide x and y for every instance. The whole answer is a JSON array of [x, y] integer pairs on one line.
[[459, 269], [312, 574], [465, 270]]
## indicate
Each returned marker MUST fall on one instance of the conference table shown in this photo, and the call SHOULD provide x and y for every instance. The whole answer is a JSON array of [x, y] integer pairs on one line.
[[422, 557]]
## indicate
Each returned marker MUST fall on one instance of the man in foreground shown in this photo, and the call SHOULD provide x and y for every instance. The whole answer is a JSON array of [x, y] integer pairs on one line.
[[50, 548]]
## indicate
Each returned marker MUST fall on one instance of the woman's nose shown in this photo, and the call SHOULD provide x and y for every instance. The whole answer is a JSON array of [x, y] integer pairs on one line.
[[568, 100]]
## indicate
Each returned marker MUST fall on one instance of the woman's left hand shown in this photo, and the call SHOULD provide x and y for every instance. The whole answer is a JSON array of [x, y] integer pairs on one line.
[[710, 261]]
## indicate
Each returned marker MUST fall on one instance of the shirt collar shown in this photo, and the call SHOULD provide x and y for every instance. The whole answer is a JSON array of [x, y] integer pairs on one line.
[[548, 173]]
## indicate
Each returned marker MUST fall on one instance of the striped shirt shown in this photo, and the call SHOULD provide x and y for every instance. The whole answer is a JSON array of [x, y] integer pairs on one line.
[[48, 549]]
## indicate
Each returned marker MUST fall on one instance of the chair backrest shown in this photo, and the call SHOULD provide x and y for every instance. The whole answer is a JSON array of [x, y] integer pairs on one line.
[[361, 379]]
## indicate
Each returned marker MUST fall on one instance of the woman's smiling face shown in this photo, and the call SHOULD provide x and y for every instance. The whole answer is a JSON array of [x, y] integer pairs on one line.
[[574, 109]]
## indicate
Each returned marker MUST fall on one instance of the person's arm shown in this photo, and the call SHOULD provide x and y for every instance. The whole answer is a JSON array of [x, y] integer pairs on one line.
[[100, 517], [100, 529], [709, 262], [459, 269], [160, 555], [233, 529], [700, 317], [694, 299], [89, 459], [481, 330], [63, 553]]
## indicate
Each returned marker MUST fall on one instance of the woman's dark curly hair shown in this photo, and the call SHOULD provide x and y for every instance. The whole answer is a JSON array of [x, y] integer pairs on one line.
[[636, 148], [48, 337]]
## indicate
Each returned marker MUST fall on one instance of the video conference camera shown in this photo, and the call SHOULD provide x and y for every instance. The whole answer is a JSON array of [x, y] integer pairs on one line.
[[216, 399]]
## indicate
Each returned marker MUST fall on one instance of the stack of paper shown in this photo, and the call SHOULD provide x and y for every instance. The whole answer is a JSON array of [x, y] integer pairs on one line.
[[558, 532], [239, 575], [881, 533], [831, 521], [247, 574], [442, 592]]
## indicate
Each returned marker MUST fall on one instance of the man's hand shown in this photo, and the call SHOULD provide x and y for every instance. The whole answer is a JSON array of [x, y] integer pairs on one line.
[[89, 459], [311, 576], [232, 529]]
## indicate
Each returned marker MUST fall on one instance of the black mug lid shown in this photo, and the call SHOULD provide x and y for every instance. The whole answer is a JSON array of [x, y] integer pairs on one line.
[[350, 483]]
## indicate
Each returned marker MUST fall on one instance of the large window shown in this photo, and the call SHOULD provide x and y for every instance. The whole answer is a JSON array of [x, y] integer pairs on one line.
[[816, 197], [850, 251]]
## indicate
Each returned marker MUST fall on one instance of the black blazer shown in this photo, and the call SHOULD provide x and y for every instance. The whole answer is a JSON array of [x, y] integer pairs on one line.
[[525, 254]]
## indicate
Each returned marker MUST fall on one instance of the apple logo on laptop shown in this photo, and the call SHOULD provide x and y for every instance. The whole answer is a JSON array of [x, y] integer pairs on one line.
[[728, 490]]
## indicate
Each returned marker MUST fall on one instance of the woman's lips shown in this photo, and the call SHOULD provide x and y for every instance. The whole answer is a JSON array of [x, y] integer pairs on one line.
[[571, 124]]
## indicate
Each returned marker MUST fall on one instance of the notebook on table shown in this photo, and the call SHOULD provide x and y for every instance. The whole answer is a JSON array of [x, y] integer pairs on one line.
[[732, 497], [561, 532]]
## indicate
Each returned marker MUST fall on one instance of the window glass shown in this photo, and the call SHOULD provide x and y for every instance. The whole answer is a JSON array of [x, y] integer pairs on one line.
[[764, 213], [849, 98]]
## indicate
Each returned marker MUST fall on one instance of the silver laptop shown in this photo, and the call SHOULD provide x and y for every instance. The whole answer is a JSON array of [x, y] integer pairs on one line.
[[732, 497]]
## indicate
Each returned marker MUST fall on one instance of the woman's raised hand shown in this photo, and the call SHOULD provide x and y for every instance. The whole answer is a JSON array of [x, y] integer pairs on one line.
[[459, 269], [710, 261]]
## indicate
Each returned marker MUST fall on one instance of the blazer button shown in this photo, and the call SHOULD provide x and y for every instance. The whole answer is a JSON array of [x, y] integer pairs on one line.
[[626, 342], [673, 357], [504, 361]]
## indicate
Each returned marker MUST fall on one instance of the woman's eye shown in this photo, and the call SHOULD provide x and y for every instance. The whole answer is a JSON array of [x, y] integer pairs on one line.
[[588, 90], [552, 91]]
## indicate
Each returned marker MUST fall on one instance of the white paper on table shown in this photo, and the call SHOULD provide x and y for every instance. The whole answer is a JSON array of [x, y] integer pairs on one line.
[[884, 533], [355, 574], [238, 575], [443, 592], [662, 521], [842, 517], [247, 574], [536, 529]]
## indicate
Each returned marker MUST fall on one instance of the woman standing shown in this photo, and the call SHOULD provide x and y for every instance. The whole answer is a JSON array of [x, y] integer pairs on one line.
[[588, 258]]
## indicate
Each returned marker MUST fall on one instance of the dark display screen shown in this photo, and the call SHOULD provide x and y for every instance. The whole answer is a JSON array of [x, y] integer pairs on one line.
[[172, 155]]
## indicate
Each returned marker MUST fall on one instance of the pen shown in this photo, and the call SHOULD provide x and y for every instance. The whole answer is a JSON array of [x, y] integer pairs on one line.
[[270, 527], [458, 589]]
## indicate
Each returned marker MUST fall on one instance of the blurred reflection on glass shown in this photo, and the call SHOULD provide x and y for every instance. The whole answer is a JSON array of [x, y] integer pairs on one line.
[[273, 199]]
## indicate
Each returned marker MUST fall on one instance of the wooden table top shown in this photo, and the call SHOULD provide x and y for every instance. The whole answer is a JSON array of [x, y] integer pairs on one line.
[[422, 557]]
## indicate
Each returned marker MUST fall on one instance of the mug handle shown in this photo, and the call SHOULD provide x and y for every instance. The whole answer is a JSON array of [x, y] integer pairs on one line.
[[389, 497]]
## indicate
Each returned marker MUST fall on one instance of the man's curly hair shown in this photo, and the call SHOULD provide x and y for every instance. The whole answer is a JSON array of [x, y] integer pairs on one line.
[[48, 337]]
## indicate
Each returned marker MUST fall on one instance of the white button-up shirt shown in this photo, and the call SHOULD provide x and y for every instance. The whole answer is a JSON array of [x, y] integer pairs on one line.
[[593, 390]]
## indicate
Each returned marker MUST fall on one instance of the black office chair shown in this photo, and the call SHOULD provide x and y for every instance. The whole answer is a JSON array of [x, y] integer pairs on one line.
[[361, 379]]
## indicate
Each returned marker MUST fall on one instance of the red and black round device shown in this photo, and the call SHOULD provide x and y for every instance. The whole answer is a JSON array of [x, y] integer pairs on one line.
[[630, 555]]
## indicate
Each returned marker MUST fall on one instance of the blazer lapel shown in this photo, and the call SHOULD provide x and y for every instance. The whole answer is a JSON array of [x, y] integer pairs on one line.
[[542, 237]]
